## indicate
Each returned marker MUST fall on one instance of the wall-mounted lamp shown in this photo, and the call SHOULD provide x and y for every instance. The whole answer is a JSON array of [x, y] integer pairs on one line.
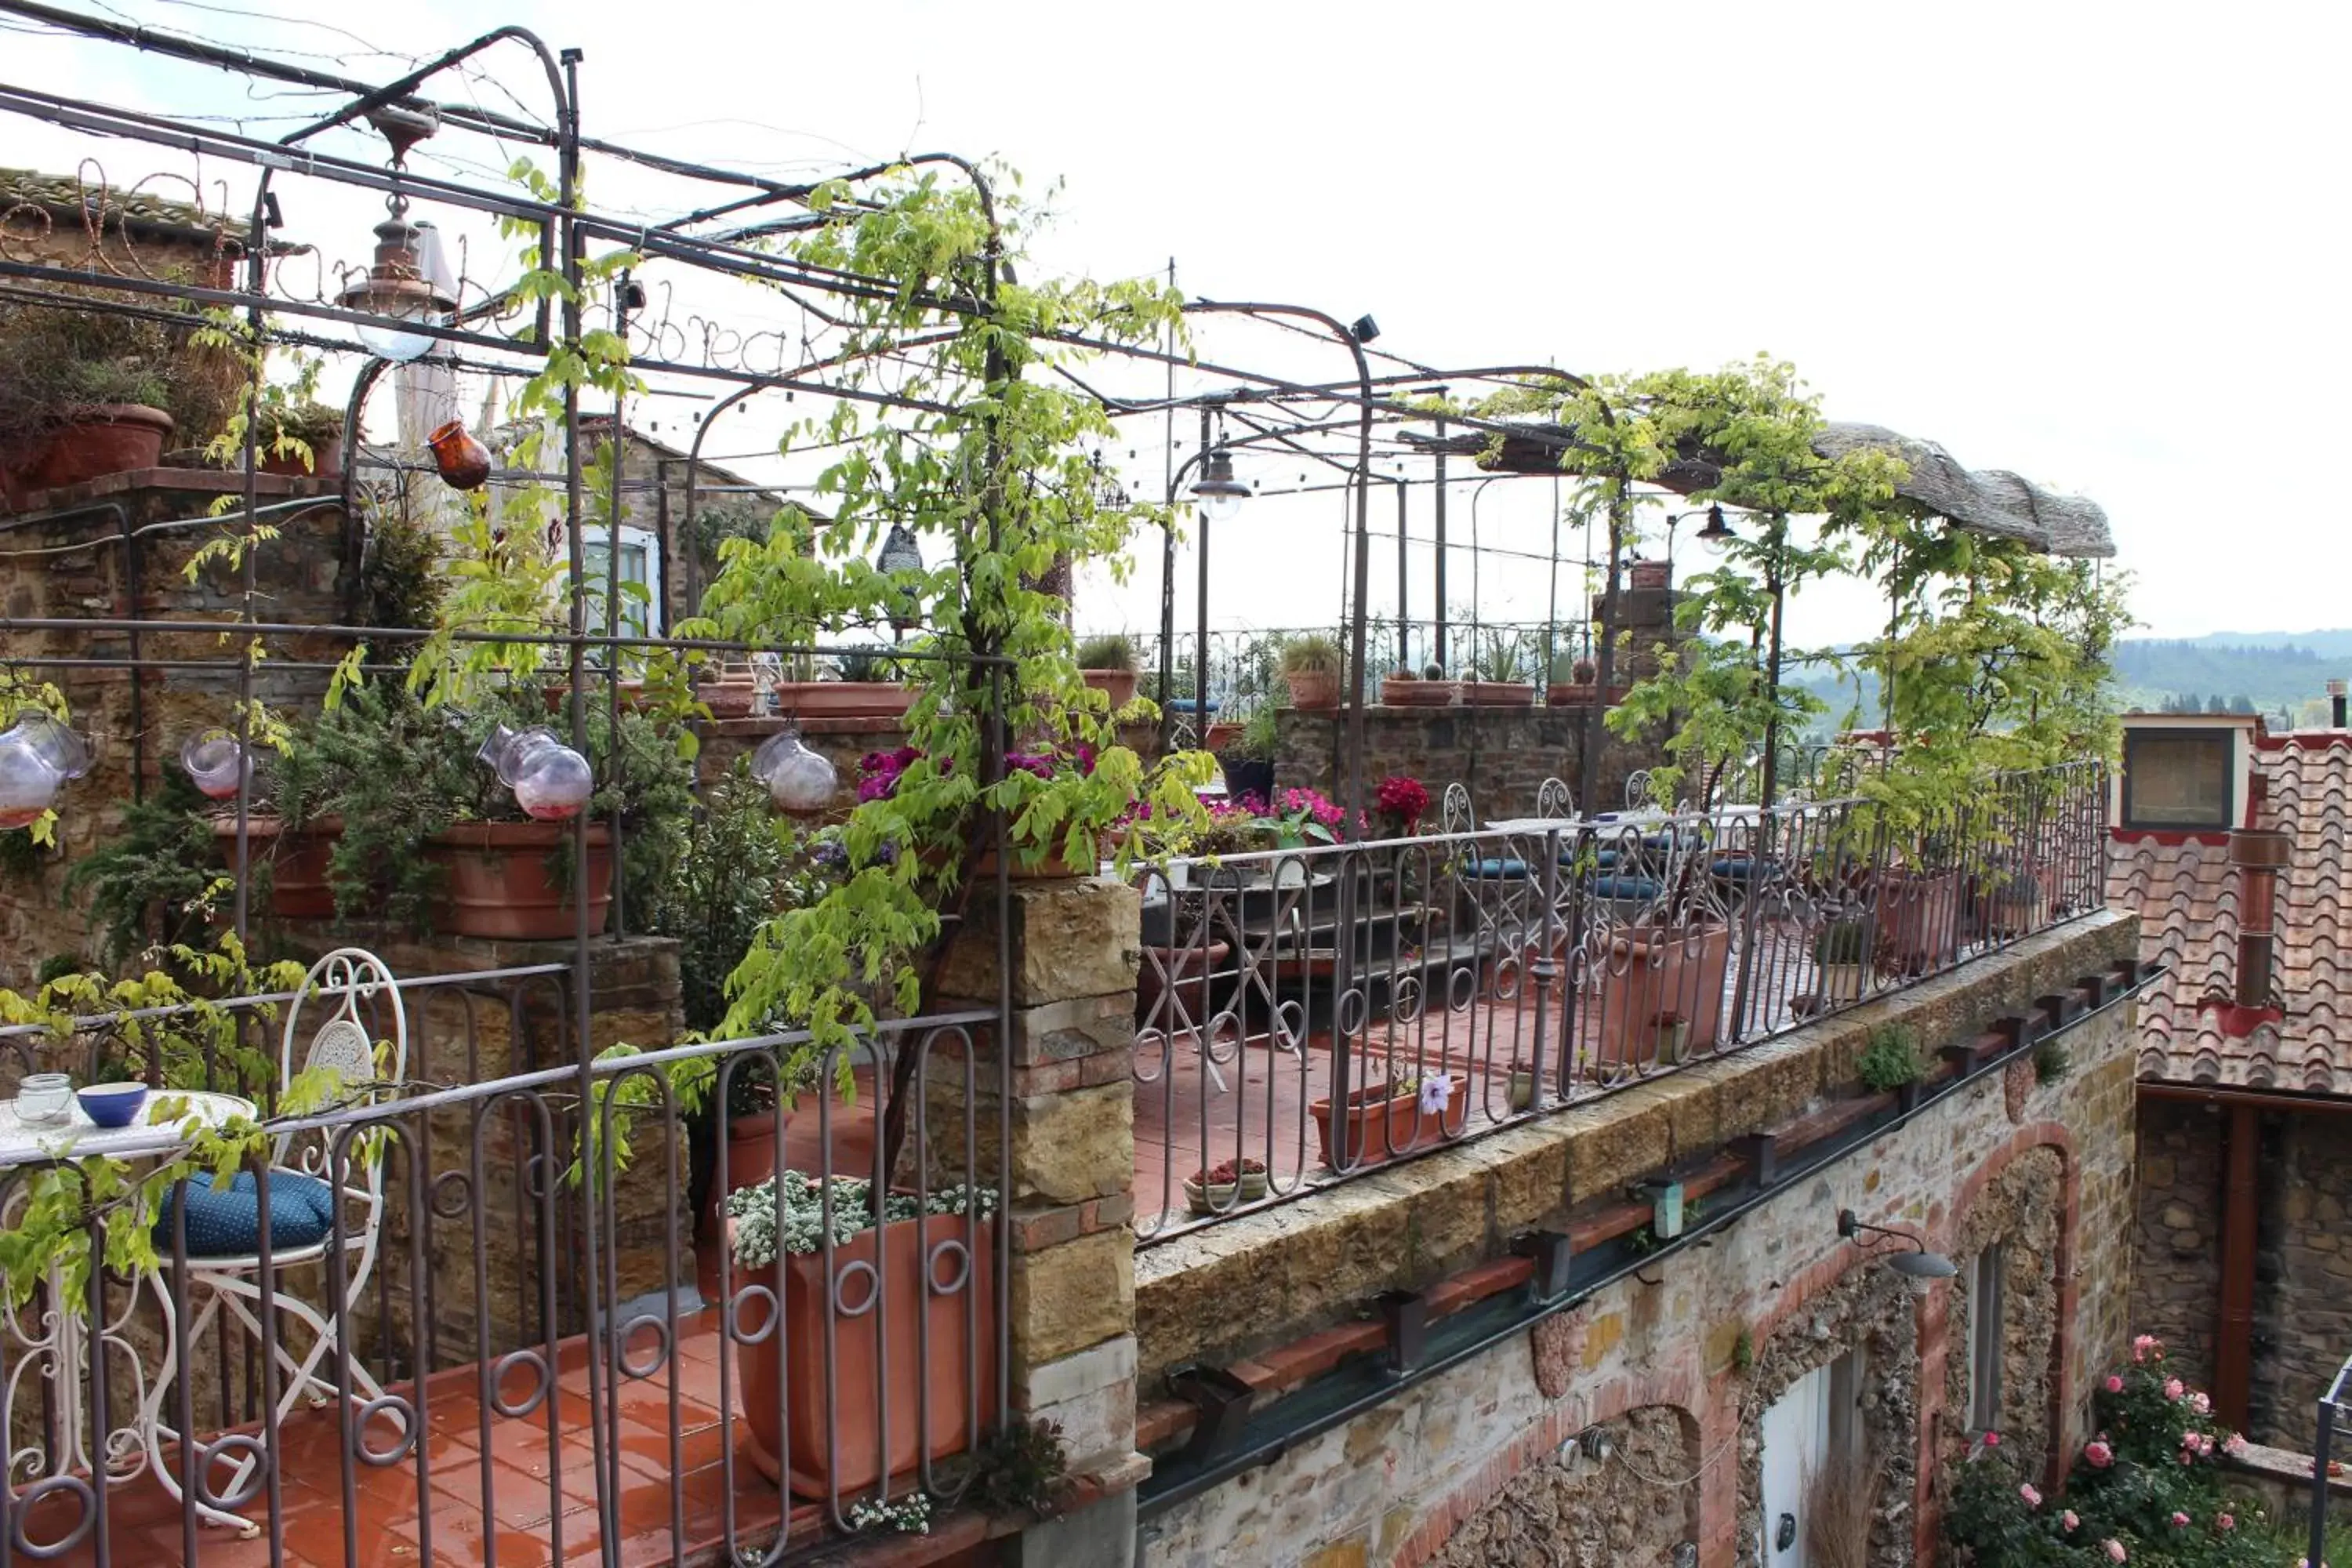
[[1598, 1444], [1911, 1258], [1363, 328]]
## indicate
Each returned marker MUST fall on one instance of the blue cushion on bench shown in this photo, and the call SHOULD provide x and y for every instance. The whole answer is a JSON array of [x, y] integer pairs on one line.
[[1734, 868], [1496, 870], [1627, 888], [226, 1222]]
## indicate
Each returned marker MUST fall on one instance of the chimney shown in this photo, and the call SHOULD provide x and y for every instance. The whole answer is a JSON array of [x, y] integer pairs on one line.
[[2259, 854], [2336, 705]]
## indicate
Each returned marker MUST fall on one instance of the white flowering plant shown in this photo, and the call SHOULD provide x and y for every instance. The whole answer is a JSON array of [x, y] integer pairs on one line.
[[759, 1237]]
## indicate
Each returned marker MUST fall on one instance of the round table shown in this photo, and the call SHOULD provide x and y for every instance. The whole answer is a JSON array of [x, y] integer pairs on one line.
[[62, 1354]]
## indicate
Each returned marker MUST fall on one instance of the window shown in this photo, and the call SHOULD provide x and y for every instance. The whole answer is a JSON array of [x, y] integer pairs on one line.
[[2179, 778], [640, 579], [1984, 1284]]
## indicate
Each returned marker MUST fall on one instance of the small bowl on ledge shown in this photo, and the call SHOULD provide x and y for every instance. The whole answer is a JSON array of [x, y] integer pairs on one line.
[[112, 1104]]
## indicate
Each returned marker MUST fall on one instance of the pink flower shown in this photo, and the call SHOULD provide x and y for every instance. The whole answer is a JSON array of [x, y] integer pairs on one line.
[[2235, 1445], [2174, 1388], [2115, 1383], [2116, 1552], [1992, 1439], [2068, 1519], [2033, 1499], [2099, 1455], [2225, 1521], [2146, 1346], [2199, 1403], [2179, 1520]]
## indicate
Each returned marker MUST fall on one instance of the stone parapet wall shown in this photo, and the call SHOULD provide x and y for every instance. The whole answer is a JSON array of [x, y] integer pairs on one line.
[[2177, 1266], [1501, 756], [1709, 1334]]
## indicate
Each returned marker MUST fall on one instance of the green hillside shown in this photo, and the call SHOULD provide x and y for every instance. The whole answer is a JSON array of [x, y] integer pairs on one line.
[[2281, 676]]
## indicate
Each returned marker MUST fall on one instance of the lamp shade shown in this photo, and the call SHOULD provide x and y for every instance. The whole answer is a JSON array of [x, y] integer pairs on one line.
[[398, 287], [1716, 533], [1219, 494]]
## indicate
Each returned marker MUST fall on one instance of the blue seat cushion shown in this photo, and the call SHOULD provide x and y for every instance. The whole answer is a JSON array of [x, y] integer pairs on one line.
[[1734, 868], [1627, 888], [1496, 870], [226, 1222]]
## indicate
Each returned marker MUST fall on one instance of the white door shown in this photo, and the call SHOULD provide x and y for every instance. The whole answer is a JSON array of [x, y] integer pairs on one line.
[[1796, 1443]]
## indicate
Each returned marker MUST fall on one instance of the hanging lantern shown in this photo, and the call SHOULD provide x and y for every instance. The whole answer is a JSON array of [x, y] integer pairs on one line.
[[901, 552], [551, 781], [37, 753], [399, 287], [799, 781], [216, 763]]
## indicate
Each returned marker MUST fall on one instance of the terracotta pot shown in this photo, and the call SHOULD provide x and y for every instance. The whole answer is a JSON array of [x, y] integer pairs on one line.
[[1645, 577], [1314, 689], [844, 698], [107, 438], [1221, 734], [1919, 920], [750, 1160], [1052, 867], [726, 699], [898, 1329], [326, 461], [1416, 693], [1378, 1130], [1647, 972], [500, 883], [1119, 684], [1499, 694], [298, 888], [1580, 695], [463, 461]]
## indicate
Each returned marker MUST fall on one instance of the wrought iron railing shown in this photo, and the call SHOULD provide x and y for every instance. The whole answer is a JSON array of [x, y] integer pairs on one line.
[[1307, 1015]]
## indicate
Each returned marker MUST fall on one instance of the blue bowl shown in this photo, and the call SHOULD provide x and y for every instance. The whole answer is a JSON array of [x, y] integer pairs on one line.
[[112, 1104]]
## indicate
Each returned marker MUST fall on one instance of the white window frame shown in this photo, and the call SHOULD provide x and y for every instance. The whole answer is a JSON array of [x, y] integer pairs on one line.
[[648, 619], [1986, 1301]]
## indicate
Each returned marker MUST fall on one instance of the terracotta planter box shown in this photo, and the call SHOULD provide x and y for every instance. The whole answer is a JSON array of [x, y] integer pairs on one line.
[[1919, 920], [109, 438], [895, 1330], [1377, 1129], [844, 698], [298, 888], [1314, 691], [326, 461], [750, 1160], [1119, 685], [1222, 733], [500, 883], [1647, 972], [726, 699], [1574, 695], [1395, 694], [1497, 694], [1647, 576]]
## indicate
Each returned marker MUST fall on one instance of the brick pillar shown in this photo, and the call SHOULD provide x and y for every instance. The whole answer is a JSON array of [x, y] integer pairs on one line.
[[1073, 953]]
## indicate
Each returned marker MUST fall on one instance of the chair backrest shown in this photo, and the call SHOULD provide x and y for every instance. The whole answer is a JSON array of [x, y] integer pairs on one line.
[[344, 1044], [1637, 789], [1456, 815], [1552, 799]]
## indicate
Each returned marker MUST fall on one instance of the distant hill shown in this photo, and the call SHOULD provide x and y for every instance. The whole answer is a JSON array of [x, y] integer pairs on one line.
[[2334, 643], [2274, 671]]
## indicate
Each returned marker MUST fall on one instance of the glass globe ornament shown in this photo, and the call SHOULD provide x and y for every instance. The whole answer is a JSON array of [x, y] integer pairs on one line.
[[551, 781], [38, 755], [217, 764], [799, 781]]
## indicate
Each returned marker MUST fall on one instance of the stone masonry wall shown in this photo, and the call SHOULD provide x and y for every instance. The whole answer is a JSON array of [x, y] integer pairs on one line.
[[1501, 756], [2303, 1290], [1570, 1511], [2177, 1269], [1713, 1332], [2020, 1210]]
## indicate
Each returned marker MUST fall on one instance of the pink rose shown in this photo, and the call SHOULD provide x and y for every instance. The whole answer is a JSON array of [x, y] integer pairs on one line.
[[2033, 1499], [2116, 1552], [2201, 1403], [2142, 1345], [2099, 1455], [2068, 1519], [2179, 1520], [2115, 1383], [2225, 1521], [1992, 1439], [2174, 1388], [2235, 1445]]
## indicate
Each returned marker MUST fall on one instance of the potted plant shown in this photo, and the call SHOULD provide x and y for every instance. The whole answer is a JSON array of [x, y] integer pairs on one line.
[[1841, 954], [294, 432], [1248, 762], [1383, 1120], [1107, 663], [1891, 1062], [1399, 805], [1312, 665], [1917, 911], [829, 1378], [1497, 678], [865, 685], [1226, 1186], [91, 390], [1676, 968], [1670, 1031], [1403, 688], [1573, 684]]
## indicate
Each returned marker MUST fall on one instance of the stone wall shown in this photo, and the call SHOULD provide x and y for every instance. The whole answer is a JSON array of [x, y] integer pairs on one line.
[[2019, 1211], [1573, 1511], [2177, 1267], [1501, 756], [1713, 1332], [86, 568]]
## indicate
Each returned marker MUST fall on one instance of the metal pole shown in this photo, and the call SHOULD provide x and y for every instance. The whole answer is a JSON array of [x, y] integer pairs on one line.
[[1439, 655], [1200, 645], [1404, 625], [1773, 582], [1587, 769], [1168, 537]]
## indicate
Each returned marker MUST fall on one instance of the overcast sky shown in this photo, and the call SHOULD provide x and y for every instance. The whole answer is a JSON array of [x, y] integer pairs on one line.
[[2098, 245]]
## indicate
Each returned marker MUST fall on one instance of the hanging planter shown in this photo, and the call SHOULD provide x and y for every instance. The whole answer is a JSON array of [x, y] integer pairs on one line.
[[463, 462]]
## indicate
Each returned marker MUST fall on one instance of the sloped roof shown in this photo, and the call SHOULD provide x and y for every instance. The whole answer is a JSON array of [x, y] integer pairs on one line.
[[2187, 896], [71, 199]]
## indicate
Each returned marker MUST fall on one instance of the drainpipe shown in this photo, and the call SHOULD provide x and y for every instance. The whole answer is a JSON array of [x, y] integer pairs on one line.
[[2258, 853]]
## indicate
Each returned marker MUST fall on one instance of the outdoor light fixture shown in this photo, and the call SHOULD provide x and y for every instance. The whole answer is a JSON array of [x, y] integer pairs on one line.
[[1596, 1443], [1219, 494], [799, 781], [551, 781], [216, 763], [1363, 328], [1716, 533], [901, 552], [37, 753], [408, 280], [1912, 1261]]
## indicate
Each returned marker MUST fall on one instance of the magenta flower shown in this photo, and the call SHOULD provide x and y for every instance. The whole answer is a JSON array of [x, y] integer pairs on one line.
[[2225, 1521], [2115, 1383], [2068, 1519], [2179, 1520]]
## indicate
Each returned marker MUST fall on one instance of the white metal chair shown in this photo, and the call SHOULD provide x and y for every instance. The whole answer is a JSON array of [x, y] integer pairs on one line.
[[1553, 799], [304, 1175]]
